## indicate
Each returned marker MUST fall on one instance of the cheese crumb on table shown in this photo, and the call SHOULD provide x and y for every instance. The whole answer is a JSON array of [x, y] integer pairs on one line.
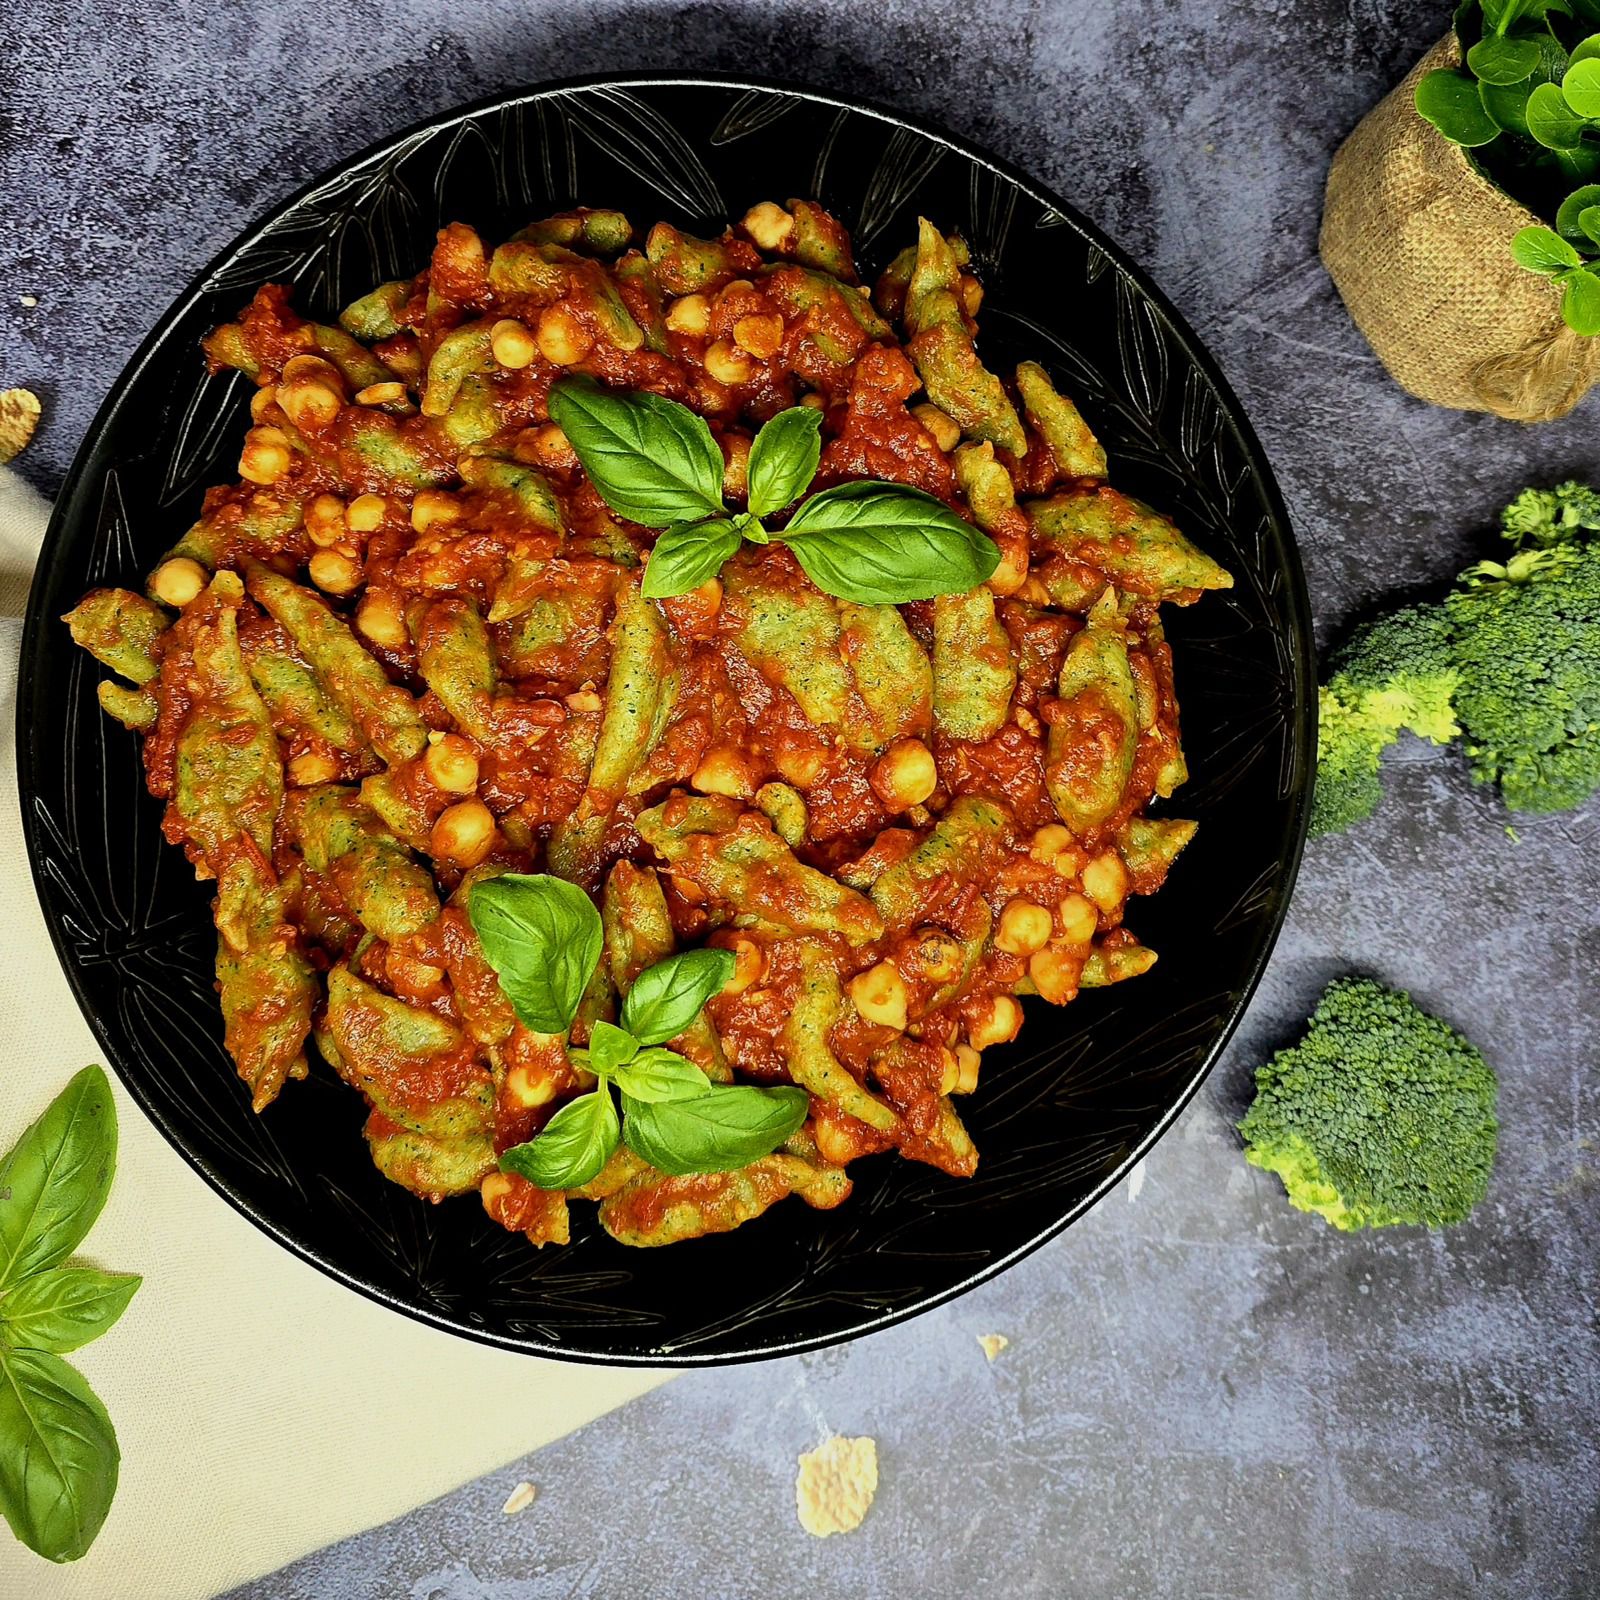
[[834, 1488], [992, 1344], [19, 416], [519, 1499]]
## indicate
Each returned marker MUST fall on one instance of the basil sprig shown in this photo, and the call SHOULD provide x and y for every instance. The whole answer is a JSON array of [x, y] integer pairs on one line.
[[543, 937], [58, 1450], [656, 463]]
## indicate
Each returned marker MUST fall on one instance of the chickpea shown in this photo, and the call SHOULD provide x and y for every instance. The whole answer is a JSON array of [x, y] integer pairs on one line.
[[525, 1090], [325, 524], [770, 227], [879, 994], [266, 455], [391, 393], [760, 335], [562, 338], [451, 763], [727, 363], [432, 507], [495, 1190], [261, 402], [381, 617], [724, 769], [1024, 928], [949, 1070], [312, 767], [408, 974], [945, 429], [799, 766], [365, 513], [937, 954], [512, 345], [178, 581], [1078, 919], [1054, 846], [463, 835], [334, 572], [1001, 1023], [690, 314], [967, 1063], [815, 401], [1105, 880], [309, 402], [1055, 974], [1012, 572], [550, 447], [749, 966], [835, 1143], [735, 465], [904, 775]]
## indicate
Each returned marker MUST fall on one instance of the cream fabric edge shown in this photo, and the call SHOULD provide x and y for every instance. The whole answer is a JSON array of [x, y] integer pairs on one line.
[[263, 1410]]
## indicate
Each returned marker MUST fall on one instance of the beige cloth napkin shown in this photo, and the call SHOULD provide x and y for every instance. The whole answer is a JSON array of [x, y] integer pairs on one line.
[[263, 1410]]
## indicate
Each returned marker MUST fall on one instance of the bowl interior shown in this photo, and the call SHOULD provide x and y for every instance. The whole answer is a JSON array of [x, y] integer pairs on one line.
[[1060, 1114]]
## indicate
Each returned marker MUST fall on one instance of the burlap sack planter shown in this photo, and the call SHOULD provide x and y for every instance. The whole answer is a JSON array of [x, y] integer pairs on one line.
[[1419, 244]]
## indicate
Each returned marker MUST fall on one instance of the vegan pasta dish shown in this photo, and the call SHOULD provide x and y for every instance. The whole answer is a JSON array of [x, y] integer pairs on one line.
[[652, 712]]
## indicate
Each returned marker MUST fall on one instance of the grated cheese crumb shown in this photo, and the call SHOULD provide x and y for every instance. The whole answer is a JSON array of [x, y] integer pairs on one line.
[[519, 1499], [19, 416], [834, 1488], [992, 1344]]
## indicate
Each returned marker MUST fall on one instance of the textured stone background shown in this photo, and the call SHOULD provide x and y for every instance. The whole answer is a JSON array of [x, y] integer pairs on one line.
[[1205, 1393]]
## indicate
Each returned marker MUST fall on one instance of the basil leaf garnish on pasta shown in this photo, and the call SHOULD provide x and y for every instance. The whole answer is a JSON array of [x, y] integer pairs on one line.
[[542, 936], [656, 462]]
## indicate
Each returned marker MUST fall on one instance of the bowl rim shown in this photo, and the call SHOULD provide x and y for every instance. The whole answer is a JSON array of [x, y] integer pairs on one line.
[[1301, 719]]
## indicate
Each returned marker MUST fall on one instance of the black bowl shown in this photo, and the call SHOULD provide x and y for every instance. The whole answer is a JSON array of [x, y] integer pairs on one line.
[[1063, 1113]]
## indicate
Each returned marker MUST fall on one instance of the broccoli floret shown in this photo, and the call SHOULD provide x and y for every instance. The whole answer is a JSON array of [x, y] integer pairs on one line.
[[1512, 655], [1527, 646], [1395, 673], [1548, 516], [1381, 1114]]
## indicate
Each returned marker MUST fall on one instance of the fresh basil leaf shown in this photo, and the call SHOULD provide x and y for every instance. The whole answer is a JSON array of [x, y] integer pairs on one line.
[[667, 997], [63, 1307], [651, 459], [1568, 215], [783, 459], [686, 555], [609, 1047], [542, 936], [1551, 120], [727, 1127], [880, 544], [1585, 50], [1502, 61], [58, 1454], [1450, 102], [1580, 304], [1589, 226], [656, 1074], [572, 1146], [1580, 88], [1544, 251], [1507, 104], [57, 1177]]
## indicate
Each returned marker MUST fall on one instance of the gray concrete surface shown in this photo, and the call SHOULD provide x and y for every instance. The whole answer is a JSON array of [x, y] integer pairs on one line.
[[1205, 1394]]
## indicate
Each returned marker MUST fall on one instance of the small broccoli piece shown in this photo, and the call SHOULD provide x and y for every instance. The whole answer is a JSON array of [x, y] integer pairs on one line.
[[1380, 1115], [1527, 646], [1395, 673], [1549, 516], [1512, 654]]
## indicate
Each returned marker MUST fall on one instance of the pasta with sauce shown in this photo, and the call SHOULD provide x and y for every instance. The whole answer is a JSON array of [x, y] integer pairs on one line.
[[409, 650]]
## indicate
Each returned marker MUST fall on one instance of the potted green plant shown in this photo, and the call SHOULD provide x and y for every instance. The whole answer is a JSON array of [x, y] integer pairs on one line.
[[1462, 220]]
